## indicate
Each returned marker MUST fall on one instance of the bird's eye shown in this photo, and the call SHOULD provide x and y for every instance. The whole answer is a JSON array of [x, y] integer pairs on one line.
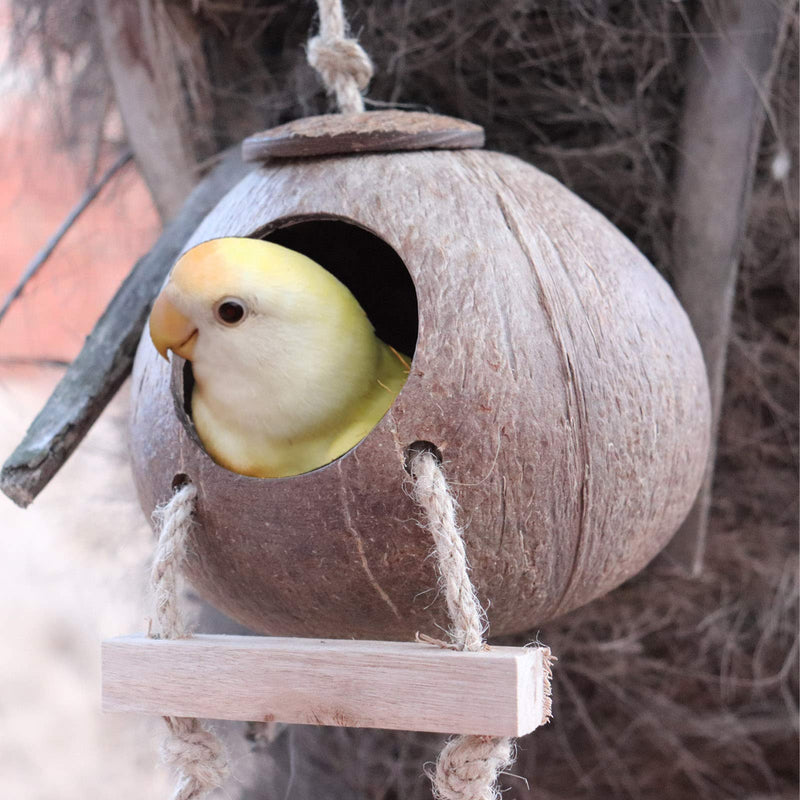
[[230, 311]]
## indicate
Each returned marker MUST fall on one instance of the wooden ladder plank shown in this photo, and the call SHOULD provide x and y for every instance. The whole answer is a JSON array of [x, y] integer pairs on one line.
[[363, 684]]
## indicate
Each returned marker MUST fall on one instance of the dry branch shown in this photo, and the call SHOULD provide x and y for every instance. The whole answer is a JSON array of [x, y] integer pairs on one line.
[[107, 356], [732, 63]]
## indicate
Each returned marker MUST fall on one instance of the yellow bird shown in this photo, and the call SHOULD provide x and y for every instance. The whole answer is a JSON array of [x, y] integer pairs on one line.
[[288, 371]]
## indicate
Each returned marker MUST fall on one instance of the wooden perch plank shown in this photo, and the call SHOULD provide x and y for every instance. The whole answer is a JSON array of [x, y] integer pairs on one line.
[[732, 60], [361, 684], [107, 356]]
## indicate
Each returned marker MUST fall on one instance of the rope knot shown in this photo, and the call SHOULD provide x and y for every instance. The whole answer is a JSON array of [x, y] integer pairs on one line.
[[196, 752], [342, 63], [340, 60], [468, 767]]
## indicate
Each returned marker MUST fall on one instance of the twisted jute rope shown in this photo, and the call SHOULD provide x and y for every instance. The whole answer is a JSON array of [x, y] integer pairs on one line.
[[342, 63], [191, 748], [468, 766]]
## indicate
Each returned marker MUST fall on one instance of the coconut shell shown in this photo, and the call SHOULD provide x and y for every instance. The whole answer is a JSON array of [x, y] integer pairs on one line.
[[554, 370]]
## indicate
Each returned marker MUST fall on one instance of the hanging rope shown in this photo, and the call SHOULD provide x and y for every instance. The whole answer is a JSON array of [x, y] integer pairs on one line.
[[468, 766], [343, 65], [191, 748]]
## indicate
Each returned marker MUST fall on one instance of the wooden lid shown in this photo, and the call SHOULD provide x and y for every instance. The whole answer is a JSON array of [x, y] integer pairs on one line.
[[368, 132]]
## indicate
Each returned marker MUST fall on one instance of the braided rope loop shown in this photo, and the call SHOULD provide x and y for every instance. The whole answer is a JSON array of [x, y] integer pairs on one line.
[[191, 748]]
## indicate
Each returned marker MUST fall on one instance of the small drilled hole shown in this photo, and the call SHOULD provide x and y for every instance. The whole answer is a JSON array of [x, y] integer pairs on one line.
[[421, 446], [179, 481]]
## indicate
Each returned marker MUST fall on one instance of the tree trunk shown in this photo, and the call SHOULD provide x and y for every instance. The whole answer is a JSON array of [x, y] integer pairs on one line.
[[732, 62], [155, 59]]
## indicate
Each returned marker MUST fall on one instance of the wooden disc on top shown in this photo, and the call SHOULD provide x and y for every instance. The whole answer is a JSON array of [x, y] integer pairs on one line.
[[367, 132]]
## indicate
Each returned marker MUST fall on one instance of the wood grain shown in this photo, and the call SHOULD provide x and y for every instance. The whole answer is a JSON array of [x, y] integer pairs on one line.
[[371, 131], [149, 75], [106, 358], [554, 369], [358, 684]]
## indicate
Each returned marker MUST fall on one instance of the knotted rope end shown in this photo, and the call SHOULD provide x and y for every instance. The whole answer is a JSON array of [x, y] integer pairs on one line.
[[341, 62], [468, 766], [198, 756]]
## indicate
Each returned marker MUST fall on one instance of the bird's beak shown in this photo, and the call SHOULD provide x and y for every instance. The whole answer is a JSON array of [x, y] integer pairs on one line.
[[171, 330]]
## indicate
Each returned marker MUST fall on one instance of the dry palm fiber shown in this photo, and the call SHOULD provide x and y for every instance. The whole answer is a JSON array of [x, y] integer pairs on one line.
[[669, 687], [588, 92]]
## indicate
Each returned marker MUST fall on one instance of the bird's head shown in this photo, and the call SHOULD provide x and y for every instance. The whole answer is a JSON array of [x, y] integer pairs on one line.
[[226, 295]]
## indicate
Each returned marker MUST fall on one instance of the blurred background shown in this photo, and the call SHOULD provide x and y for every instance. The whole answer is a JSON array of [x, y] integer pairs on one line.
[[671, 686], [73, 567]]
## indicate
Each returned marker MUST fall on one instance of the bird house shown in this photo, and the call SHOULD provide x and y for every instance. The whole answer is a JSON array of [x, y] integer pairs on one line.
[[553, 371]]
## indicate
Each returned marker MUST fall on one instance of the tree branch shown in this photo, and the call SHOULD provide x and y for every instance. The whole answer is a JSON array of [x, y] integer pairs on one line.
[[45, 253], [106, 358]]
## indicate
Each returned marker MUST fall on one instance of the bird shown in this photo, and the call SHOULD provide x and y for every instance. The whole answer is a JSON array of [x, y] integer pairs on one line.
[[288, 371]]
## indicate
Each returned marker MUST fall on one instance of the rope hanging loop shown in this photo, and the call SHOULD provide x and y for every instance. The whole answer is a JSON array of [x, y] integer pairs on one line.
[[342, 63], [468, 766], [195, 751]]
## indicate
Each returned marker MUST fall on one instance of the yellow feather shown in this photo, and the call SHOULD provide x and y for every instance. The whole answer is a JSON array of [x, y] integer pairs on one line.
[[300, 380]]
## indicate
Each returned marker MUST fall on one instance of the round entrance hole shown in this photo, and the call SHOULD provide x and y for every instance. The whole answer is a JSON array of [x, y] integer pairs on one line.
[[368, 266]]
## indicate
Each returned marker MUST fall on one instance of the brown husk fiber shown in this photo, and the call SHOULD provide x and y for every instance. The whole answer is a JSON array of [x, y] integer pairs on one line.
[[669, 687]]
